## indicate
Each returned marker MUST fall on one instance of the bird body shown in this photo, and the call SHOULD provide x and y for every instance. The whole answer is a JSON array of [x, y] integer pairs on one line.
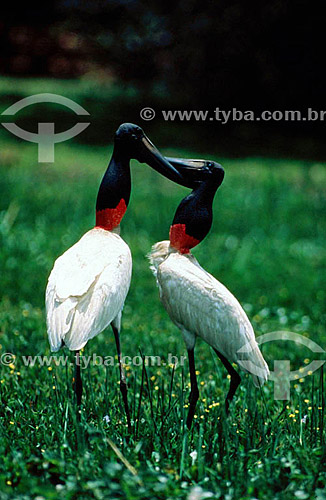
[[202, 306], [87, 289], [195, 301], [89, 283]]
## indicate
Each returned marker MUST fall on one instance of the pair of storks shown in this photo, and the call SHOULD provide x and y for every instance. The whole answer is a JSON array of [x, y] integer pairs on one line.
[[89, 283]]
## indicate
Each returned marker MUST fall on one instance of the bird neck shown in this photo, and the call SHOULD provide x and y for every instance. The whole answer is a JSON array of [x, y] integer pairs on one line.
[[193, 218], [114, 192]]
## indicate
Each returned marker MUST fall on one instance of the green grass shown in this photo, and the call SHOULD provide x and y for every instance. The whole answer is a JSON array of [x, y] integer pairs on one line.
[[267, 245]]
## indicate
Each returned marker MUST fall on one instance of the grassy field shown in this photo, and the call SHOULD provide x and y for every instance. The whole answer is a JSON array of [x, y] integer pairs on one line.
[[267, 245]]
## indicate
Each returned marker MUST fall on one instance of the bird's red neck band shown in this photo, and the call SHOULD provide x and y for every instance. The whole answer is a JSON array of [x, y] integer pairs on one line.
[[180, 240], [110, 218]]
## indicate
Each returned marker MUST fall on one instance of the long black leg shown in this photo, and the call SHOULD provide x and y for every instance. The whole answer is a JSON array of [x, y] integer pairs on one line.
[[123, 383], [234, 382], [194, 393], [78, 381]]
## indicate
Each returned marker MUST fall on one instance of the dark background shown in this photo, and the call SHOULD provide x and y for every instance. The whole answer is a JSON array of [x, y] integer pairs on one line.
[[181, 55]]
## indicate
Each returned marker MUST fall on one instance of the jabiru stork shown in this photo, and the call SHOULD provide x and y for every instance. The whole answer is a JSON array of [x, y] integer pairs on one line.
[[89, 283], [198, 304]]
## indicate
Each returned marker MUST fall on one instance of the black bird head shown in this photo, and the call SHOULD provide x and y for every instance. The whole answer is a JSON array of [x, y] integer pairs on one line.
[[130, 141], [194, 216]]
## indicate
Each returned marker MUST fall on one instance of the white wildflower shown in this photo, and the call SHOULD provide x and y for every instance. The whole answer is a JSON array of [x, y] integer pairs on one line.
[[193, 455]]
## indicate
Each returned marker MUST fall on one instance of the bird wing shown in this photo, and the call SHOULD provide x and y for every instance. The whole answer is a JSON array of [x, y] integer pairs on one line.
[[202, 306], [74, 271], [87, 288]]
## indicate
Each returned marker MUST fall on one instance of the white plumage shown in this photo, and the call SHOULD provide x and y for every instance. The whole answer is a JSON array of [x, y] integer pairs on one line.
[[87, 289], [201, 306], [89, 283]]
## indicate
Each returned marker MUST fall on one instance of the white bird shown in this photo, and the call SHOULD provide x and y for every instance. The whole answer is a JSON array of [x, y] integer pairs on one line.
[[198, 304], [89, 283]]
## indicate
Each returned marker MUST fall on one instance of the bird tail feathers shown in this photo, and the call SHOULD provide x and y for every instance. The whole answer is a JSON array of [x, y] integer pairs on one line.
[[256, 366]]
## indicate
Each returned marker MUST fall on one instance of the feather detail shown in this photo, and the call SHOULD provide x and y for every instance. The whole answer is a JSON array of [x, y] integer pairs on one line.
[[201, 306], [157, 255], [87, 288]]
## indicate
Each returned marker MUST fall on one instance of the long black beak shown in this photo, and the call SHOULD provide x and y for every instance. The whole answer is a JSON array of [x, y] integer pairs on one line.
[[148, 153], [194, 171]]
